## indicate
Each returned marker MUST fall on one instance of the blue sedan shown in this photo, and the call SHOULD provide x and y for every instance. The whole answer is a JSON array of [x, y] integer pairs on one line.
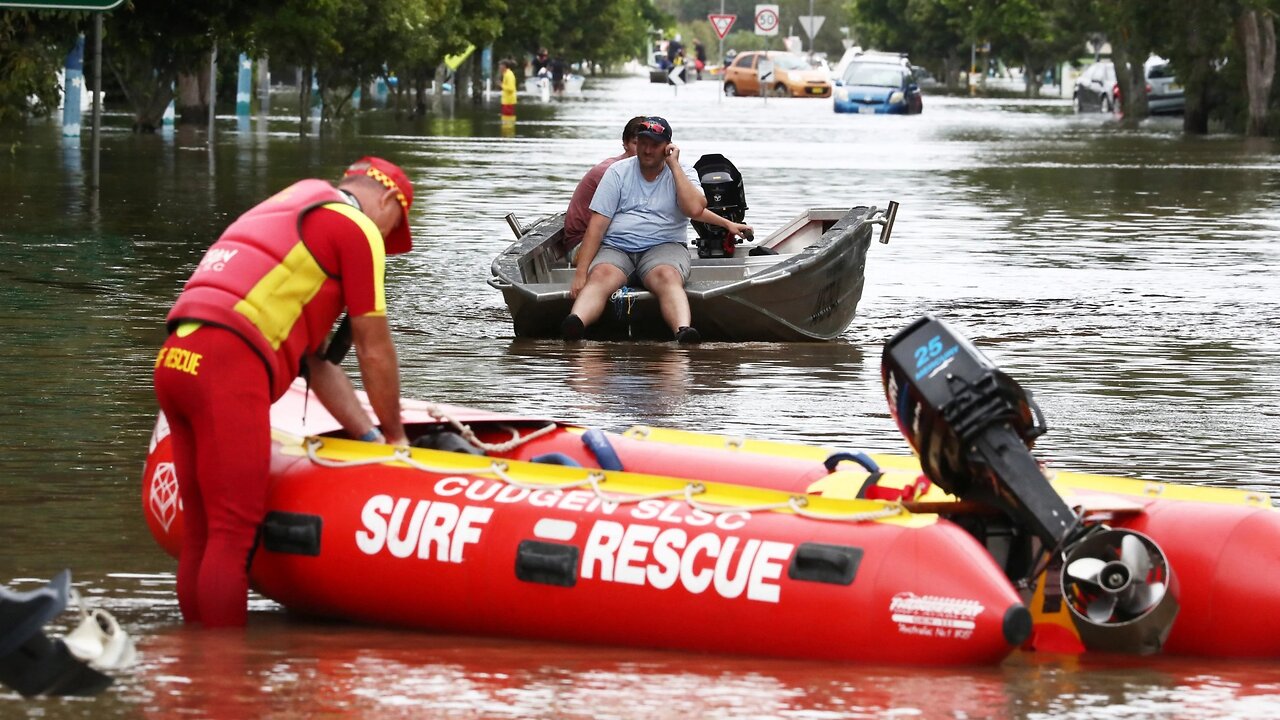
[[879, 88]]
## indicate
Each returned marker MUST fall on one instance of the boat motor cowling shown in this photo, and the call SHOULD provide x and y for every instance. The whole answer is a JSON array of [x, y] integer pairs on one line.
[[722, 184], [973, 427]]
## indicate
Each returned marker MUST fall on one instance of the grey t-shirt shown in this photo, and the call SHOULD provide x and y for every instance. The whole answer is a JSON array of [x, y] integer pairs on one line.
[[642, 214]]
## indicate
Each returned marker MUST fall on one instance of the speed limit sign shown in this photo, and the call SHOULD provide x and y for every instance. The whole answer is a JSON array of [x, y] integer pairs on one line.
[[767, 20]]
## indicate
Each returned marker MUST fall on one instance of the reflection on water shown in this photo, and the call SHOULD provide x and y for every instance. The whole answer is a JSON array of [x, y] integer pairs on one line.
[[1125, 277], [292, 669]]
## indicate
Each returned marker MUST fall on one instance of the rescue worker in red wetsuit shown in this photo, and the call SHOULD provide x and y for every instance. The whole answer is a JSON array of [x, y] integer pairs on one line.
[[253, 316]]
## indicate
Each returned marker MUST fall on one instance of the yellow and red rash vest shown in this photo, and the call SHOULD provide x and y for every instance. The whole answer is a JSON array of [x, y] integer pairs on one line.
[[260, 281]]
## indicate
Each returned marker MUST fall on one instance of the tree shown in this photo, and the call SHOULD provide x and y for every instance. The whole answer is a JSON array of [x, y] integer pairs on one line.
[[299, 33], [934, 33], [1256, 35], [1196, 42], [597, 31], [147, 44], [1034, 34], [33, 46]]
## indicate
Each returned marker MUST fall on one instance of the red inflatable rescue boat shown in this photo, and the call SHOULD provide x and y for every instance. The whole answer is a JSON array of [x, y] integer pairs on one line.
[[527, 527], [467, 544]]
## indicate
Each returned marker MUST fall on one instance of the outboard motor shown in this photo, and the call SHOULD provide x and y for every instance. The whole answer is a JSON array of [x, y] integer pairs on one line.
[[972, 427], [722, 184]]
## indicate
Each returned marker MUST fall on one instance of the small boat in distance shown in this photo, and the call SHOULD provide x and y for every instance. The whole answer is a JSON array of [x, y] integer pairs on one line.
[[572, 84], [801, 283]]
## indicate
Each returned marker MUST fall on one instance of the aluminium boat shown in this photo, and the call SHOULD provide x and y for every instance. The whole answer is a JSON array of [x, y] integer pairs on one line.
[[801, 283]]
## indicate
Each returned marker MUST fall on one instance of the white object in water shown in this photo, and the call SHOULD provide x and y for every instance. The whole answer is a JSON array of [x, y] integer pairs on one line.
[[100, 641]]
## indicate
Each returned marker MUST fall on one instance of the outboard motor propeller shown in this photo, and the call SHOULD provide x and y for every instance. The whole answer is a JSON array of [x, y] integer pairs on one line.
[[1120, 592], [972, 427], [722, 184]]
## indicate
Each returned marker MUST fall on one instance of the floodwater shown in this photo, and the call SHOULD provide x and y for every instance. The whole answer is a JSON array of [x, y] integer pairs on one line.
[[1127, 278]]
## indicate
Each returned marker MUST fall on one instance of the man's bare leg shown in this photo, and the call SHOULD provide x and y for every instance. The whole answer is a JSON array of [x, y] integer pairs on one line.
[[665, 282], [603, 280]]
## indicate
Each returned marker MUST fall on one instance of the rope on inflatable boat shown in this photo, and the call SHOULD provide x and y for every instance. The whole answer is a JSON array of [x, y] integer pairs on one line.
[[467, 433], [797, 504]]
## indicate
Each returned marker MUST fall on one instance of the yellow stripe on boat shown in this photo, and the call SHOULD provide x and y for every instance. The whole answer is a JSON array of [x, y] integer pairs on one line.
[[759, 447], [613, 483], [1069, 482], [902, 469]]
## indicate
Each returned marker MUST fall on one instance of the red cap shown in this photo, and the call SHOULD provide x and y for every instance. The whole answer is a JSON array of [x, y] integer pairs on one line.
[[399, 241]]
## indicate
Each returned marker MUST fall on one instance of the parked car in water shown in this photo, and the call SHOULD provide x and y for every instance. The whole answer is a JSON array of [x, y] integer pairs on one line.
[[790, 76], [878, 85], [1164, 92], [1097, 89]]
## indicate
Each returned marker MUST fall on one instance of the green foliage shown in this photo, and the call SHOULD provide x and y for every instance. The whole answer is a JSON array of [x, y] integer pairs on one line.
[[33, 46], [147, 44], [598, 31], [348, 42], [929, 30]]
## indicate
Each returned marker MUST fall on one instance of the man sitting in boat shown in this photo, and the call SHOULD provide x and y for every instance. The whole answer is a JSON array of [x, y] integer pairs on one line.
[[579, 210], [637, 226], [253, 316]]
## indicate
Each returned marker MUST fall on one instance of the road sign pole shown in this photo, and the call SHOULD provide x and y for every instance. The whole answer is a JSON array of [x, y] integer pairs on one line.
[[721, 24], [764, 92], [721, 56], [766, 23], [811, 33], [97, 100]]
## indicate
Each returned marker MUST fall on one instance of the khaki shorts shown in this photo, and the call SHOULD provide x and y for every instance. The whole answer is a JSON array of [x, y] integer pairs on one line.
[[638, 264]]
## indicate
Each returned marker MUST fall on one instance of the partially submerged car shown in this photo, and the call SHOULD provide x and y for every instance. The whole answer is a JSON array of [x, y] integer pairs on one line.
[[1097, 89], [781, 74], [1164, 92], [878, 84]]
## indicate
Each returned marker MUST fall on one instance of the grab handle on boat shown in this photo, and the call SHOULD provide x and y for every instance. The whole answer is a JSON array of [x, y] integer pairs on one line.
[[514, 223], [885, 218], [598, 443], [498, 283], [861, 458]]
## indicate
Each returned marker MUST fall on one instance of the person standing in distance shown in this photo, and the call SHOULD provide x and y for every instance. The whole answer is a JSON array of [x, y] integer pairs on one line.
[[639, 217], [255, 315], [507, 78]]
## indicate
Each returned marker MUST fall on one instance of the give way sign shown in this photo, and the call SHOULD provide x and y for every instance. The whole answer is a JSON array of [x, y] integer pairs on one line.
[[721, 24], [767, 20]]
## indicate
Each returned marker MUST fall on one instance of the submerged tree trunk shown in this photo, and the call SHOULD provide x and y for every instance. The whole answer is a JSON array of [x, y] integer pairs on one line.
[[1256, 32], [1131, 78], [420, 94], [951, 72], [192, 100], [1195, 115], [147, 89], [304, 99], [462, 80], [1033, 77]]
